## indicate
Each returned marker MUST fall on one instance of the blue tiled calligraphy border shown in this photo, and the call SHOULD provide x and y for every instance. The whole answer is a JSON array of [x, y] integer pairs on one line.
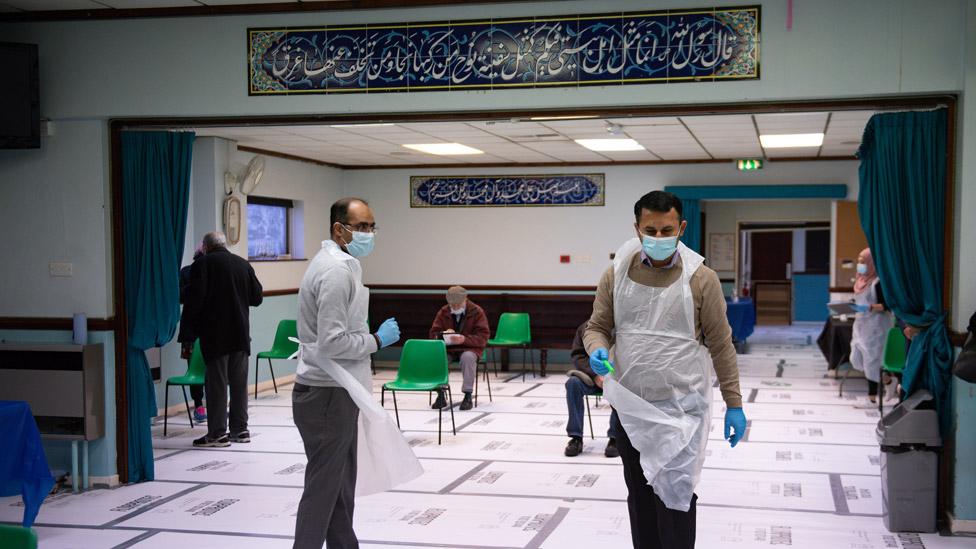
[[690, 45], [594, 195]]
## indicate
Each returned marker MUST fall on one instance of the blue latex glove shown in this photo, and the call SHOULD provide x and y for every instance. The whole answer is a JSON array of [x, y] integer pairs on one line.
[[735, 419], [596, 361], [861, 308], [389, 332]]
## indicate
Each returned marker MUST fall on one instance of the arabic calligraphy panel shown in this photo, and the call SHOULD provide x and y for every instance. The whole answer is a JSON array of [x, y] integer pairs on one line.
[[518, 190], [667, 46]]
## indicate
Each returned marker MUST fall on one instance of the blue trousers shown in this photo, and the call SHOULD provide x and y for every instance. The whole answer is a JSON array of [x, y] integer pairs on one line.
[[576, 390]]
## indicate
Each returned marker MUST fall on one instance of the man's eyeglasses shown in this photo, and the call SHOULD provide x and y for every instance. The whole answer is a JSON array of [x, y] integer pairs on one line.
[[362, 228]]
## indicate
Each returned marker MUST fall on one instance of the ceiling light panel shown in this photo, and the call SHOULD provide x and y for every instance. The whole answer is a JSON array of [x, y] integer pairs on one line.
[[443, 149], [780, 141], [619, 144]]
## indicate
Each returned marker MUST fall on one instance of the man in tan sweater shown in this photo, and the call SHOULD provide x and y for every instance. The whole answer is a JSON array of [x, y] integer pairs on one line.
[[663, 312]]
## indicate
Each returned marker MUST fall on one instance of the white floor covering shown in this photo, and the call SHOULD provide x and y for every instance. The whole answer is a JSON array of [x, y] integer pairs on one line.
[[806, 476]]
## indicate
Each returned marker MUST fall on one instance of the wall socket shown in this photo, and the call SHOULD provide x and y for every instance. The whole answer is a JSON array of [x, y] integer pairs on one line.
[[61, 269]]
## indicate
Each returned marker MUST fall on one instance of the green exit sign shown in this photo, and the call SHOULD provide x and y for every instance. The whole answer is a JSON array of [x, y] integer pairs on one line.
[[749, 164]]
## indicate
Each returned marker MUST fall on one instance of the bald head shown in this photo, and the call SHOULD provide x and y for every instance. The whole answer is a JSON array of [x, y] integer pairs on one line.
[[214, 241]]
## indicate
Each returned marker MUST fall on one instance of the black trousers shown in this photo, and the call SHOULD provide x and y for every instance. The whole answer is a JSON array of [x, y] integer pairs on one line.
[[222, 371], [327, 419], [652, 525]]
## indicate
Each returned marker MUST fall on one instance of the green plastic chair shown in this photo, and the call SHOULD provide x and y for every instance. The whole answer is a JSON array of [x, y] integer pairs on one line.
[[893, 360], [17, 537], [281, 349], [423, 368], [195, 375], [513, 331], [894, 352]]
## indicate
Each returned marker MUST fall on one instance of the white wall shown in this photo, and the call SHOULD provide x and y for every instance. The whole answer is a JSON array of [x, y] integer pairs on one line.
[[522, 245], [196, 66], [54, 207], [723, 216], [313, 188]]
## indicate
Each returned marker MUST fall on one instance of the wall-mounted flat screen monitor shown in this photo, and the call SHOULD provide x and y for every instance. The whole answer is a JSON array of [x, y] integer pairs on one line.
[[20, 100]]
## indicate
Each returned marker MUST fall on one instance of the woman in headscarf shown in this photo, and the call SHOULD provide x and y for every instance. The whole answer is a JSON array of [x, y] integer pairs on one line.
[[871, 324]]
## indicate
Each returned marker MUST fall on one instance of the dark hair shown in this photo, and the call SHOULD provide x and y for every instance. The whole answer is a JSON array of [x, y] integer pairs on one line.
[[657, 201], [339, 213]]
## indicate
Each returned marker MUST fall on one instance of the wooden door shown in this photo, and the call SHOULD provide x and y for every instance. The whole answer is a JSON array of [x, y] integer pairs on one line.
[[772, 253]]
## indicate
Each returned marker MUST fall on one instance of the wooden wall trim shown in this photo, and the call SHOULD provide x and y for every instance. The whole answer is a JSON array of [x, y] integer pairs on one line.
[[118, 295], [283, 291], [841, 290], [53, 323]]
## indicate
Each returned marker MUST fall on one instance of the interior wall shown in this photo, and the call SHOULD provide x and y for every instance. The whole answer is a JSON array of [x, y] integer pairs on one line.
[[54, 208], [311, 186], [964, 290], [723, 216], [870, 52], [849, 241], [521, 246]]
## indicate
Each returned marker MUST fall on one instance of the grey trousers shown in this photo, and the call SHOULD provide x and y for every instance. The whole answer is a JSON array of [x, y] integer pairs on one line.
[[327, 419], [469, 369], [230, 369]]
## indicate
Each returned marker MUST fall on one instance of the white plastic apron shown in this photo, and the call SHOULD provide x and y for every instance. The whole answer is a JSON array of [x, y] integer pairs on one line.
[[385, 459], [869, 334], [662, 384]]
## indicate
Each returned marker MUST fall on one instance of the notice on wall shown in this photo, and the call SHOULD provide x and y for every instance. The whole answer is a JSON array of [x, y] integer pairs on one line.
[[721, 251]]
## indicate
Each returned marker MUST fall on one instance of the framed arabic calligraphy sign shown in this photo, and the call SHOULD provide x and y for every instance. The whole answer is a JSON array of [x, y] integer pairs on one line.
[[702, 45], [507, 190]]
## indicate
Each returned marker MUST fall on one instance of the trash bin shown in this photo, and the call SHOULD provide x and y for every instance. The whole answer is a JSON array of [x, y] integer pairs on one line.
[[909, 438]]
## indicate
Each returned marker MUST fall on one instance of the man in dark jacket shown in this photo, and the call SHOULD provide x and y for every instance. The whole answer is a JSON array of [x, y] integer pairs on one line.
[[582, 382], [222, 287], [196, 391], [468, 332]]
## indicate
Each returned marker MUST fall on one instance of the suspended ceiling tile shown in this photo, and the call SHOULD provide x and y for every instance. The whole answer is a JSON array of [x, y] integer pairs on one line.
[[625, 156], [742, 120], [141, 4], [861, 116], [647, 121], [791, 123], [793, 152], [47, 5], [231, 2], [681, 155], [4, 8]]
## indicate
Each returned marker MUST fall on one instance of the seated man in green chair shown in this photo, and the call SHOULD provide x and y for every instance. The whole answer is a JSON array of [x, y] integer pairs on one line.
[[464, 328]]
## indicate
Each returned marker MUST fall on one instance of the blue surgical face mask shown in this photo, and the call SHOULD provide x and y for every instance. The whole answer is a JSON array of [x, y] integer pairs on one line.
[[862, 268], [362, 243], [659, 249]]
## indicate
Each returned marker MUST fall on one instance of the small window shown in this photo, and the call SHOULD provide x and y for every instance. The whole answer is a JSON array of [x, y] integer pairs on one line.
[[268, 228]]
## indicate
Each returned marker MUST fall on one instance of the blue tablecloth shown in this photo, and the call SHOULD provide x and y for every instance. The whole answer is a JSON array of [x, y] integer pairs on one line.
[[742, 317], [23, 465]]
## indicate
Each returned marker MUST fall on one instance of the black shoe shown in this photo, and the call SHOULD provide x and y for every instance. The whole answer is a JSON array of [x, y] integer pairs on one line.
[[440, 402], [466, 404], [575, 447], [207, 442], [611, 450], [243, 436]]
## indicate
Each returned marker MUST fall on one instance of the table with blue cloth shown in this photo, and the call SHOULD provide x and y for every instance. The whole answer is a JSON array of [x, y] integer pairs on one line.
[[23, 465], [742, 318]]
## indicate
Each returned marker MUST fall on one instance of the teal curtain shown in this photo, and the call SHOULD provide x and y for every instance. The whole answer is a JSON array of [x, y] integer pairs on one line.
[[902, 209], [691, 211], [155, 195]]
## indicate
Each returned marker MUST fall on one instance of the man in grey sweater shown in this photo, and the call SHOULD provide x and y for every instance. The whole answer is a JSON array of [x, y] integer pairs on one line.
[[332, 309]]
